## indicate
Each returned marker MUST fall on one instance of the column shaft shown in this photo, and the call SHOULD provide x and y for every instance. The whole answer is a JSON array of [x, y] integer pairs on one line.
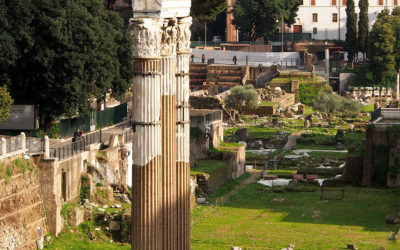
[[146, 142], [168, 135], [183, 136]]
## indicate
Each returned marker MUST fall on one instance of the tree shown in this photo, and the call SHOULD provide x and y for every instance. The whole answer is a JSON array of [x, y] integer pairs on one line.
[[395, 21], [5, 103], [363, 25], [70, 53], [242, 98], [381, 48], [207, 10], [333, 103], [351, 34], [261, 18]]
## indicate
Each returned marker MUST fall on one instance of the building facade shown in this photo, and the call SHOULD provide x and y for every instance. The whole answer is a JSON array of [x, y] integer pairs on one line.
[[326, 19]]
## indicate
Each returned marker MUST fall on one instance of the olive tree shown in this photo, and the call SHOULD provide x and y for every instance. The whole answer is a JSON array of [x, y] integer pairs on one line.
[[242, 98]]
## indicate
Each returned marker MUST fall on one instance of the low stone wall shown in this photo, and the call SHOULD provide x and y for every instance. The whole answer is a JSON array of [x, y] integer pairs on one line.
[[235, 166], [21, 212], [263, 110], [354, 170]]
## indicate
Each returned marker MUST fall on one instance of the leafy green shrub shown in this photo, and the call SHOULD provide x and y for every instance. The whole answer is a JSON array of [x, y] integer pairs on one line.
[[308, 91], [333, 103], [39, 133], [54, 131], [242, 98]]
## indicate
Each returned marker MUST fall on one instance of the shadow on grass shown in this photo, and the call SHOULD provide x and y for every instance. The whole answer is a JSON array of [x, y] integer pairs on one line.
[[361, 207]]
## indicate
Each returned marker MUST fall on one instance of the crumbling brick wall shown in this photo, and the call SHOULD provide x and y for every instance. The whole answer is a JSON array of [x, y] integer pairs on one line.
[[21, 211]]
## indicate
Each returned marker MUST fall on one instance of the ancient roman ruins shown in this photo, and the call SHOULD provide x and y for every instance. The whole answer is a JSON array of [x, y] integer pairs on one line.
[[161, 167]]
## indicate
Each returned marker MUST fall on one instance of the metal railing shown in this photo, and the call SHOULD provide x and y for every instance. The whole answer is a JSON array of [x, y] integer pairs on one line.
[[74, 148], [34, 145], [69, 150]]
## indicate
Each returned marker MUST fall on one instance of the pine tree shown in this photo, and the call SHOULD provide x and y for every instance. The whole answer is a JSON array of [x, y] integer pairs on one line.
[[363, 26], [381, 49], [351, 34]]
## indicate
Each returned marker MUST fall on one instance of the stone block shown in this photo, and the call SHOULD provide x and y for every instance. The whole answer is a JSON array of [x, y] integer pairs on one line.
[[201, 200], [115, 225], [79, 216]]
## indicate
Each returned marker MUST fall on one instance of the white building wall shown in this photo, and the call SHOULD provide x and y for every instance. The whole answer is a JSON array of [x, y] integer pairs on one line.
[[326, 28]]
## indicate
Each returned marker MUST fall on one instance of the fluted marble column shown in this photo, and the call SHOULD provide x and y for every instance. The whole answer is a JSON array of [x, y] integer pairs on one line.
[[182, 134], [146, 142], [168, 135]]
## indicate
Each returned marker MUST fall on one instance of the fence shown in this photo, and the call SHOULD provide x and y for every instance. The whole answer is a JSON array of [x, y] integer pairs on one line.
[[103, 118], [12, 144], [34, 145], [249, 58], [291, 37], [68, 150]]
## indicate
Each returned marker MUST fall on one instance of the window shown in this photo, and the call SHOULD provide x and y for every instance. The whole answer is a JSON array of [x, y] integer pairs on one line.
[[314, 31], [334, 2], [315, 17], [344, 2], [313, 2], [380, 2], [334, 17]]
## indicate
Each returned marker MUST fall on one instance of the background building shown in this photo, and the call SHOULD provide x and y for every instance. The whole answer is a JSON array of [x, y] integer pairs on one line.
[[326, 19]]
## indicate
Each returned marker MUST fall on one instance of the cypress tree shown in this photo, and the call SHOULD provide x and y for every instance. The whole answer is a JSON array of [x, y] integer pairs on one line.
[[363, 26], [351, 34]]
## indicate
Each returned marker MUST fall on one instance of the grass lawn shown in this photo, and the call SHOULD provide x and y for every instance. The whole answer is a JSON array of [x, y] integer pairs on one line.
[[207, 166], [254, 132], [250, 220], [368, 108], [78, 239]]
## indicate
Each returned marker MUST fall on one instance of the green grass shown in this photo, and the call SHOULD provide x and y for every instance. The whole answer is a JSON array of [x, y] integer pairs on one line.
[[281, 172], [268, 103], [251, 157], [229, 144], [228, 186], [328, 155], [254, 132], [368, 108], [207, 166], [250, 220], [77, 239]]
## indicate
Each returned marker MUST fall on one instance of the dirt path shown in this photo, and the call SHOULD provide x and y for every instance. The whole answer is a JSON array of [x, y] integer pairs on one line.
[[254, 175]]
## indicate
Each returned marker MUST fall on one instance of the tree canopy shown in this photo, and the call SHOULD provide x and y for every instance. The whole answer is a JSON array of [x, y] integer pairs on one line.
[[207, 10], [63, 54], [260, 18], [5, 103], [382, 42], [334, 103], [351, 27], [363, 25], [242, 98]]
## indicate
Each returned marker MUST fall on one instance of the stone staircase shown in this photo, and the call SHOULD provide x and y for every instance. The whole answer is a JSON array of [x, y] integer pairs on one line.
[[198, 74]]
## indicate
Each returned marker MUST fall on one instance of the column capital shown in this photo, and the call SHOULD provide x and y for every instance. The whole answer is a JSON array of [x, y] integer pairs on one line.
[[169, 37], [146, 37], [183, 40]]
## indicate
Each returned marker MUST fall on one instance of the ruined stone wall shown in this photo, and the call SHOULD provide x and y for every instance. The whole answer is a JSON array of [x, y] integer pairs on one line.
[[235, 158], [21, 211]]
